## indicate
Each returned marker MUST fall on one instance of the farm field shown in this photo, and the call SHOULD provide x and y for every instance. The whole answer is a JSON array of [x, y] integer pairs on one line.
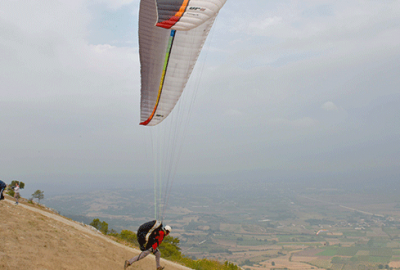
[[270, 226]]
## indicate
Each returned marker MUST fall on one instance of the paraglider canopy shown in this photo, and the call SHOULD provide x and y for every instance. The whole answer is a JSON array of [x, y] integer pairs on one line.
[[171, 35], [184, 15]]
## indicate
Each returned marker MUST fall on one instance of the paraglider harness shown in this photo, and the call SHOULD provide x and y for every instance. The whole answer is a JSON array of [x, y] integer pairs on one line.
[[147, 234], [2, 187]]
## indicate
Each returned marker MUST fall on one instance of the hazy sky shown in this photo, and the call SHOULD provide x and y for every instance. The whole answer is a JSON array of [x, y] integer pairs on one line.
[[286, 90]]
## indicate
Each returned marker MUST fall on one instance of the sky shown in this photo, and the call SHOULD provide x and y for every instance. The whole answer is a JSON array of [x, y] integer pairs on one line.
[[285, 91]]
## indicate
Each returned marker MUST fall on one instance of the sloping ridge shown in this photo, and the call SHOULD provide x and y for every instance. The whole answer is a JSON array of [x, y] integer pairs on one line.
[[32, 238]]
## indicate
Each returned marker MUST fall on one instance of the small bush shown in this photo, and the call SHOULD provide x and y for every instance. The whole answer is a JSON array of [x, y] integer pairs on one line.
[[100, 225], [11, 192]]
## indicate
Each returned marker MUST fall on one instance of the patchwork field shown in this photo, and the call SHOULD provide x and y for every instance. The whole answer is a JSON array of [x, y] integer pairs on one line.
[[264, 226]]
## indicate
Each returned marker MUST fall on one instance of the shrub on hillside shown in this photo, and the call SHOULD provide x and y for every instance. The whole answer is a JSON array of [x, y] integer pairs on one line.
[[128, 236], [10, 192], [21, 184], [170, 250], [39, 195], [100, 225], [205, 264]]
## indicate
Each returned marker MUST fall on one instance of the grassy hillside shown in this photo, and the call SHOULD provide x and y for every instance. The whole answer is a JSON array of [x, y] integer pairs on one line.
[[32, 237]]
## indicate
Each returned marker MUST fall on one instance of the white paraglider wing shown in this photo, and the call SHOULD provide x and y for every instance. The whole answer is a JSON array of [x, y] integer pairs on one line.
[[171, 35]]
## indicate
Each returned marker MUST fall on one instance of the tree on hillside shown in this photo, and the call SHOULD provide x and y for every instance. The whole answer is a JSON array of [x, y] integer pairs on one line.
[[129, 236], [100, 225], [170, 247], [10, 188], [39, 194], [21, 184]]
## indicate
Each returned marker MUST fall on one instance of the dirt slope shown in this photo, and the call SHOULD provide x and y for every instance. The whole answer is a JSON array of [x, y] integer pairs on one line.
[[32, 238]]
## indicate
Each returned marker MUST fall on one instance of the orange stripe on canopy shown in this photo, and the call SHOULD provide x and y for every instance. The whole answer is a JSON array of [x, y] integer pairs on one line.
[[182, 9], [174, 19]]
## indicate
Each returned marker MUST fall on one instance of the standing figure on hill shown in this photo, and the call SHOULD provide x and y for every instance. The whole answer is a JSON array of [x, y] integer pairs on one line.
[[2, 187], [16, 193], [150, 235]]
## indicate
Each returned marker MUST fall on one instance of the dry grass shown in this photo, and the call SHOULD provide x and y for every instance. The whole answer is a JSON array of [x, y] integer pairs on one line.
[[395, 264], [31, 238]]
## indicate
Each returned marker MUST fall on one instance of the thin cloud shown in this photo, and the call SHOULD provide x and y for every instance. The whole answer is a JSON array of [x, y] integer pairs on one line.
[[329, 106], [292, 77]]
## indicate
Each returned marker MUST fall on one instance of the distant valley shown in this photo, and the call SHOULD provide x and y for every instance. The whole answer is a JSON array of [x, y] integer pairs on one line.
[[261, 224]]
